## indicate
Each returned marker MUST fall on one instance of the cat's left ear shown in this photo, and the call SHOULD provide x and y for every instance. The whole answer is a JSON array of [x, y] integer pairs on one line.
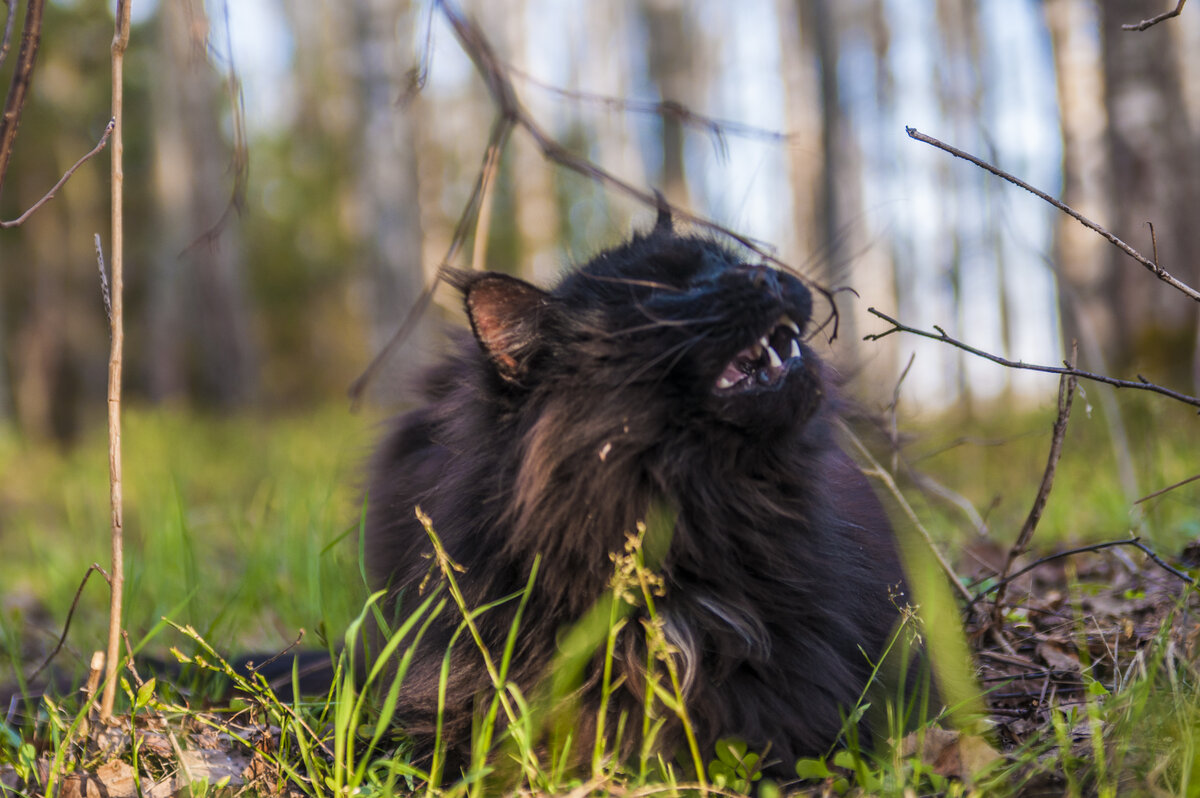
[[506, 316]]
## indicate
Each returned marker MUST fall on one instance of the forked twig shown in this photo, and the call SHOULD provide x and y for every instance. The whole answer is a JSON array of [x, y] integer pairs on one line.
[[1146, 23], [1151, 265], [108, 129], [1134, 542], [1142, 384]]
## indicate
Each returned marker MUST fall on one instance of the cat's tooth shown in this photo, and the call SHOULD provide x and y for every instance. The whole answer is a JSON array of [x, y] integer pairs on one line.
[[773, 357], [795, 349], [791, 325], [764, 343], [724, 382]]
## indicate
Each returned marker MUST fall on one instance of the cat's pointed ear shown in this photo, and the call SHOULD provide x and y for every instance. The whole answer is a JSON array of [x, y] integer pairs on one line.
[[506, 315], [662, 221]]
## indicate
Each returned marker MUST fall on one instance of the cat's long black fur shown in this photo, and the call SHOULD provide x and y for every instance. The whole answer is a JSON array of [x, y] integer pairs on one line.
[[641, 380]]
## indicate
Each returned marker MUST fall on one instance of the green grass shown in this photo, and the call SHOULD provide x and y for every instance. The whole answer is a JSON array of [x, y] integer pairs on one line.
[[242, 532], [232, 526]]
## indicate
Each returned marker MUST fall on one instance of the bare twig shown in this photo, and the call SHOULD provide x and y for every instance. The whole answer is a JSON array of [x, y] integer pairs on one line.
[[31, 37], [62, 180], [1134, 542], [1151, 265], [1142, 384], [119, 44], [255, 668], [718, 129], [510, 113], [1167, 489], [9, 19], [62, 639], [1146, 23], [1066, 393]]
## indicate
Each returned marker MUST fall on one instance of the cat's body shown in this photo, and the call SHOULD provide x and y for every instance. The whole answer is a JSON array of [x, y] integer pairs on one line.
[[643, 381]]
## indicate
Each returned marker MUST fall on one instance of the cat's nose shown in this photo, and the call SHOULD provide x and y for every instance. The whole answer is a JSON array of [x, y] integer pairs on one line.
[[761, 275]]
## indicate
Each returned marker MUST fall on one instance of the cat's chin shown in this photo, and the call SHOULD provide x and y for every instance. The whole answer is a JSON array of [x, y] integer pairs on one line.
[[784, 397]]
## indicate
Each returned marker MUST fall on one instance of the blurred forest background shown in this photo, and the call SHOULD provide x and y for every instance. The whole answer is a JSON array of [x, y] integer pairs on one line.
[[286, 204], [288, 197]]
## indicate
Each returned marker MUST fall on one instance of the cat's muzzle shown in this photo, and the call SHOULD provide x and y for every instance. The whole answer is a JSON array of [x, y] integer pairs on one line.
[[765, 362]]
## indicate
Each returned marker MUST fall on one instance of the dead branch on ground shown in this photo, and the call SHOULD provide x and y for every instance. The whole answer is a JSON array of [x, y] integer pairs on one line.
[[1135, 542]]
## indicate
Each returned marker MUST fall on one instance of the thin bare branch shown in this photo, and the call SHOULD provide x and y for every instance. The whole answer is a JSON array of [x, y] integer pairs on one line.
[[1134, 542], [510, 113], [1167, 489], [62, 639], [62, 180], [1142, 384], [717, 129], [1150, 265], [1146, 23], [9, 19], [1066, 393], [501, 129], [31, 37]]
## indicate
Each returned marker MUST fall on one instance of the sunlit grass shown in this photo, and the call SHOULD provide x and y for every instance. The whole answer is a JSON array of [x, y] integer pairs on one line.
[[239, 517], [243, 530]]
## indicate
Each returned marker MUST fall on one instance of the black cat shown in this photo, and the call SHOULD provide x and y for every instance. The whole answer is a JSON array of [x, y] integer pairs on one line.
[[667, 373]]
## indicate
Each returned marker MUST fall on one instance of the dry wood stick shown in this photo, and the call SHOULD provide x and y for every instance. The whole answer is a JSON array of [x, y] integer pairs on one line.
[[119, 44]]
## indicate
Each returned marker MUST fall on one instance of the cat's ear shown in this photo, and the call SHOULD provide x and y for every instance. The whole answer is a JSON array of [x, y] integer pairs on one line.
[[506, 315]]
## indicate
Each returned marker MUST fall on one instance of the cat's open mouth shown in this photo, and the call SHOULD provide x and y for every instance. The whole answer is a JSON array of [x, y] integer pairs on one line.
[[764, 363]]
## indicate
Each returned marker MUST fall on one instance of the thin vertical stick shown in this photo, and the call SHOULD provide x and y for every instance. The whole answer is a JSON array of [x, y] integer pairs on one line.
[[119, 43]]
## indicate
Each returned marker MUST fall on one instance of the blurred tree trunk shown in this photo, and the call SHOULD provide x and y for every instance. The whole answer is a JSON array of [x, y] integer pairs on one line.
[[803, 112], [1155, 180], [1081, 256], [387, 177], [670, 38], [533, 177], [200, 330]]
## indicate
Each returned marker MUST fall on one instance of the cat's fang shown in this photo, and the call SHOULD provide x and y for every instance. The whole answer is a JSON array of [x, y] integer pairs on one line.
[[795, 349], [773, 357], [791, 325]]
